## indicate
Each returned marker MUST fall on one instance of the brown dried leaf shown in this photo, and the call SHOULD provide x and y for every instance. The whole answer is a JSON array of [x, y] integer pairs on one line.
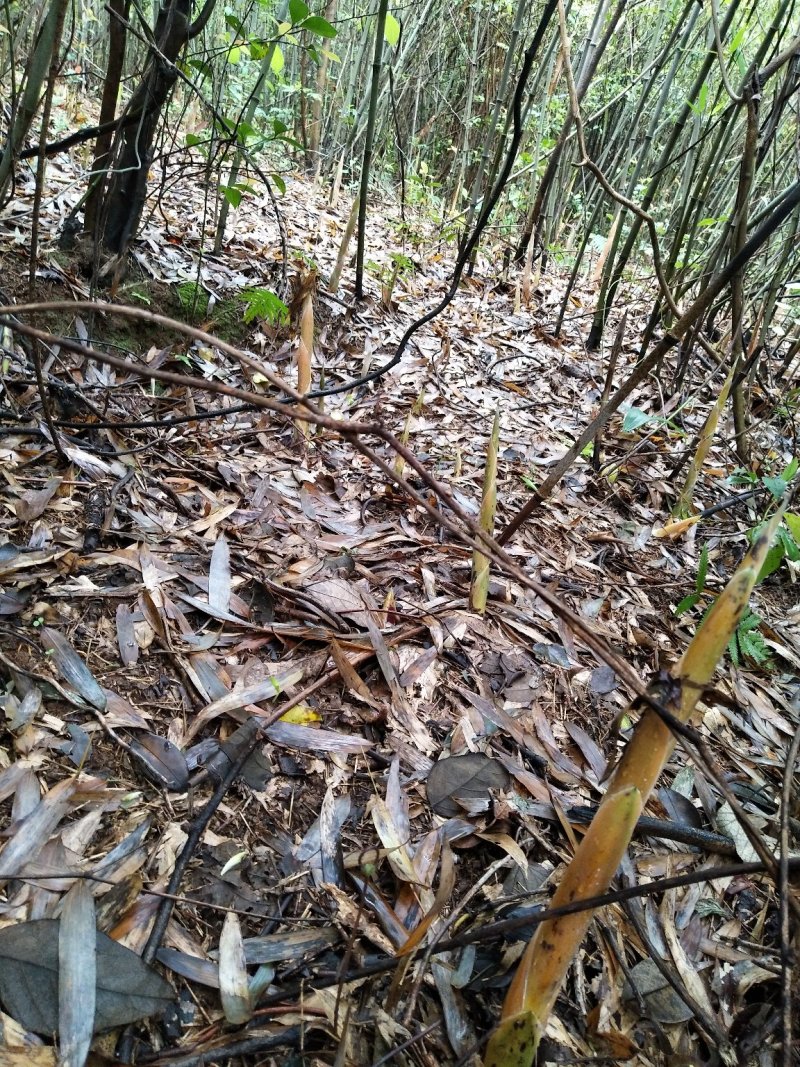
[[33, 502], [462, 783]]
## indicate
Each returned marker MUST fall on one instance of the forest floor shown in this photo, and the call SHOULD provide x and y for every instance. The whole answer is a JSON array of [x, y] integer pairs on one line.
[[234, 564]]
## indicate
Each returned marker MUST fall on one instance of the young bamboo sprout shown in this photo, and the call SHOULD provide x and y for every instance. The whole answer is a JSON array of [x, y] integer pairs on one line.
[[683, 508], [305, 300], [556, 941], [414, 413], [347, 237]]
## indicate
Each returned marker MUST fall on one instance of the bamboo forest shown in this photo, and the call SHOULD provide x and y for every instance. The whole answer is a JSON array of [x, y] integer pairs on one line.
[[399, 543]]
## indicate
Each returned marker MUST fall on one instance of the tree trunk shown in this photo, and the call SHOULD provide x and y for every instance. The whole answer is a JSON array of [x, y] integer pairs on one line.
[[117, 36], [375, 87], [127, 191]]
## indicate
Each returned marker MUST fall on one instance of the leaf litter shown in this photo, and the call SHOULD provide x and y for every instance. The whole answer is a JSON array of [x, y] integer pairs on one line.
[[265, 631]]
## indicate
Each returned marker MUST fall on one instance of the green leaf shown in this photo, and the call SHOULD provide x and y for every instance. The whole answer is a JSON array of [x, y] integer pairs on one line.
[[192, 140], [280, 184], [391, 31], [201, 67], [225, 125], [749, 621], [234, 55], [702, 570], [750, 641], [741, 476], [776, 486], [773, 560], [235, 24], [687, 603], [737, 40], [233, 196], [276, 64], [634, 418], [320, 26], [792, 520], [291, 141], [297, 10], [790, 546], [791, 469]]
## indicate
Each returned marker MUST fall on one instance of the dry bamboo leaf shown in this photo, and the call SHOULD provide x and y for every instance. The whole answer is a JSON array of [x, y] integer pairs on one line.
[[398, 855], [330, 842], [31, 835], [72, 668], [350, 675], [27, 1057], [233, 701], [219, 576], [307, 739], [204, 972], [444, 891], [77, 975], [126, 636]]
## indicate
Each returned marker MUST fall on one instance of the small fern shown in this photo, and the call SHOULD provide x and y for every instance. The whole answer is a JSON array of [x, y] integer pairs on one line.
[[262, 304], [748, 642]]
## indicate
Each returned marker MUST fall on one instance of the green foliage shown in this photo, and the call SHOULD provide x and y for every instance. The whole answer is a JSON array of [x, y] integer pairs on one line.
[[694, 598], [265, 305], [246, 52], [634, 419], [391, 31], [786, 547], [138, 293], [747, 642], [232, 194], [787, 539], [318, 25]]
